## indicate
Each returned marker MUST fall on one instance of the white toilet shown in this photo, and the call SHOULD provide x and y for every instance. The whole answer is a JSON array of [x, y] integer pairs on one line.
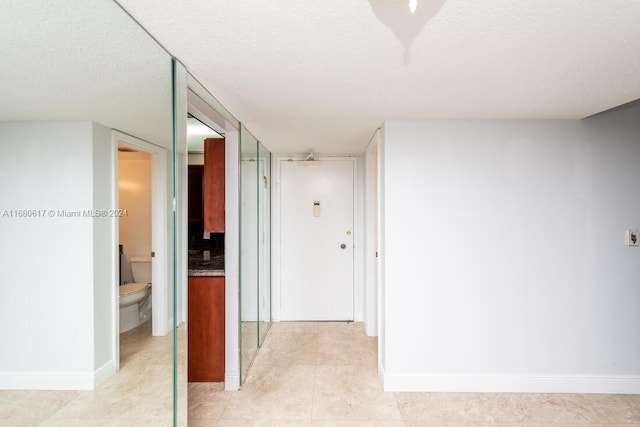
[[135, 301]]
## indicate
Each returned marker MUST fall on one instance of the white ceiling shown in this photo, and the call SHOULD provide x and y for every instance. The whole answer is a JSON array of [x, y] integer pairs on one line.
[[319, 75], [197, 132], [323, 75]]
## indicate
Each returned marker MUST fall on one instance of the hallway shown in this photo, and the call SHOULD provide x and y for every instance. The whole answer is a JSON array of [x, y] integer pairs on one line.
[[325, 374]]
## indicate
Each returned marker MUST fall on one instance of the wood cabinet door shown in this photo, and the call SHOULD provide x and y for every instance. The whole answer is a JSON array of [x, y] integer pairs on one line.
[[213, 185], [206, 324]]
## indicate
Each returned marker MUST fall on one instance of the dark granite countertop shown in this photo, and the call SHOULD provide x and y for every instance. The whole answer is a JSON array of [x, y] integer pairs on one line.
[[199, 265]]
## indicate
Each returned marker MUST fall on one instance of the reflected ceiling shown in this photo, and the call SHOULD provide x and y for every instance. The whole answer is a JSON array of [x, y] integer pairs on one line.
[[197, 132], [64, 66]]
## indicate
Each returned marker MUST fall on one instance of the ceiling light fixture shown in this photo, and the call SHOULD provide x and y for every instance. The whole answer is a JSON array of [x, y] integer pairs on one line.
[[413, 4]]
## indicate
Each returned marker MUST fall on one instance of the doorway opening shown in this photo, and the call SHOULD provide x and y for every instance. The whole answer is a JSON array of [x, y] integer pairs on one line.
[[142, 297]]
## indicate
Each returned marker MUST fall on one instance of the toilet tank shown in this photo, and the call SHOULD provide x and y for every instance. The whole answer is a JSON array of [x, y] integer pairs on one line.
[[141, 269]]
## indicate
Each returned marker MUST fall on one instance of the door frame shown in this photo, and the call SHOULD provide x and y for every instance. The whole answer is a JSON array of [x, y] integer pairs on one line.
[[276, 240], [160, 315], [372, 296]]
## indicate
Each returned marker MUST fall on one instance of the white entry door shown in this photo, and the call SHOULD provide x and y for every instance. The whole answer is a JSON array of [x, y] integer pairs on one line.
[[316, 214]]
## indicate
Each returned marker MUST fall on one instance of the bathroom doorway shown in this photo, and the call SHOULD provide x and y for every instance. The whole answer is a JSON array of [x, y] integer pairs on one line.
[[147, 233]]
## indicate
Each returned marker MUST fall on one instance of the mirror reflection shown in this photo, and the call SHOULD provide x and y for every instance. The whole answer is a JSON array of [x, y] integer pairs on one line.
[[264, 241], [206, 250], [249, 275], [255, 245], [86, 131]]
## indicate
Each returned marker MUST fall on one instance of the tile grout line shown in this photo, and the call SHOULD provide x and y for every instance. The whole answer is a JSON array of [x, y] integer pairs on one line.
[[315, 374]]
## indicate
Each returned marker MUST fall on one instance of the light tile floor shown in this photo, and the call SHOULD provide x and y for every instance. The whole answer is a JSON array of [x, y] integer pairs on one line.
[[140, 394], [325, 374]]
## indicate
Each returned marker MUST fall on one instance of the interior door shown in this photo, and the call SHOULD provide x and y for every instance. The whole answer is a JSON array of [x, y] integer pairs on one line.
[[316, 214]]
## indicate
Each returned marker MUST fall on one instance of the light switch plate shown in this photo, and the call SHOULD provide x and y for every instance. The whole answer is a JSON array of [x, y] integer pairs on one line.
[[633, 237]]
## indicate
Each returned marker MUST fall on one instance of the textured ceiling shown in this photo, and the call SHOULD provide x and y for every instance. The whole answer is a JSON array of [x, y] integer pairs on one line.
[[322, 75], [197, 132], [83, 60]]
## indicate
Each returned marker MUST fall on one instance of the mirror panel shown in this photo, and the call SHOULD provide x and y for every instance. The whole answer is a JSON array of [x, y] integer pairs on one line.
[[255, 247], [73, 72], [84, 60], [264, 242], [249, 179]]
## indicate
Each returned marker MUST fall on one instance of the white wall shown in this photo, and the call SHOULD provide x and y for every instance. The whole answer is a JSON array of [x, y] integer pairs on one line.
[[52, 283], [248, 239], [105, 254], [134, 190], [370, 261], [195, 159], [505, 267]]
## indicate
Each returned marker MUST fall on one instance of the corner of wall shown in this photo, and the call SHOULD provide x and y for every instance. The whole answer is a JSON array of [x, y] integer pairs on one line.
[[232, 259]]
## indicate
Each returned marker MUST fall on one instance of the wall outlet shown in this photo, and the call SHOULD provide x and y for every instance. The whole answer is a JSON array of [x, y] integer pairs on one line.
[[633, 238]]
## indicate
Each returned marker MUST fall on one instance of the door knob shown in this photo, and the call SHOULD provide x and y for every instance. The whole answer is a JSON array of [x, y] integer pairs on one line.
[[343, 246]]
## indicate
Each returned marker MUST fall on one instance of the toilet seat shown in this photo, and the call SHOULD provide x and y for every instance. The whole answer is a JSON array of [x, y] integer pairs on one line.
[[131, 288]]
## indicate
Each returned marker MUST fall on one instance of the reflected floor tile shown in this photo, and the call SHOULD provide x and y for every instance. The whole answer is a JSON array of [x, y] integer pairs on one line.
[[149, 394], [33, 403], [106, 423], [140, 394], [158, 405], [442, 407]]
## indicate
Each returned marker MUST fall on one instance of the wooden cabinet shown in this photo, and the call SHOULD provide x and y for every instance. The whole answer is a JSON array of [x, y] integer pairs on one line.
[[205, 328], [213, 185], [195, 194]]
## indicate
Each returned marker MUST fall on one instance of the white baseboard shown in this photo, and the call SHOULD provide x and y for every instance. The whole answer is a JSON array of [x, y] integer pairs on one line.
[[381, 372], [370, 328], [232, 382], [619, 384], [57, 380], [103, 373]]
